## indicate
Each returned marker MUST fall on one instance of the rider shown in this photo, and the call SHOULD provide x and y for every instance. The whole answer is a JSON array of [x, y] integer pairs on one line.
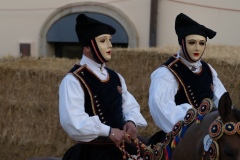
[[95, 106], [184, 80]]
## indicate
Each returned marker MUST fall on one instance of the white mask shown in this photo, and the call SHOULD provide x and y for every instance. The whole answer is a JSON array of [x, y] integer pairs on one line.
[[104, 45], [195, 46]]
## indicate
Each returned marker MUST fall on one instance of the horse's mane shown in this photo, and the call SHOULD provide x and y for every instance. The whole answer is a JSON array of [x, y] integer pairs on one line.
[[236, 113]]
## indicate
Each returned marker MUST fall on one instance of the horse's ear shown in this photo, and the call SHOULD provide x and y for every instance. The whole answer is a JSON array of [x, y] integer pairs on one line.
[[225, 106]]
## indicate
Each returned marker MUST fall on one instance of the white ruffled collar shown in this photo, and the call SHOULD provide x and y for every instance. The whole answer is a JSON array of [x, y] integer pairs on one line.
[[195, 67]]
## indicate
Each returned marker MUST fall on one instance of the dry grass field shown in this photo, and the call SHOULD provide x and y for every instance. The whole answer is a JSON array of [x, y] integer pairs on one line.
[[29, 120]]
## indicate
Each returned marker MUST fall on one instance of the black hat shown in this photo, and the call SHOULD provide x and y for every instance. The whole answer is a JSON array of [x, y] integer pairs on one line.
[[185, 26], [88, 28]]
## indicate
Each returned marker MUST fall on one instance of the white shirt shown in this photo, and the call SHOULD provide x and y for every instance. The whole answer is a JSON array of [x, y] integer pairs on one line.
[[73, 118], [164, 87]]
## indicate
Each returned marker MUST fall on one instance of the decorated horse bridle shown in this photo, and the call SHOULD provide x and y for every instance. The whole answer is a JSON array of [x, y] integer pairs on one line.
[[216, 131], [178, 131]]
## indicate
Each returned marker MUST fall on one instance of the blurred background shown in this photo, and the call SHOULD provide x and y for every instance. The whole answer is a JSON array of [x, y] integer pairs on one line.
[[38, 46]]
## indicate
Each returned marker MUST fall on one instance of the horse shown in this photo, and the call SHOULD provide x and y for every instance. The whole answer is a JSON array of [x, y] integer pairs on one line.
[[214, 136]]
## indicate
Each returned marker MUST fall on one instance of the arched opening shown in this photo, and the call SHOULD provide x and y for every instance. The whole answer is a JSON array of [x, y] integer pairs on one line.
[[53, 44], [63, 37]]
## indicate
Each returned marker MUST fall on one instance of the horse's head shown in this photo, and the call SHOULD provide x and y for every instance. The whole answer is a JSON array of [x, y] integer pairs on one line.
[[229, 142]]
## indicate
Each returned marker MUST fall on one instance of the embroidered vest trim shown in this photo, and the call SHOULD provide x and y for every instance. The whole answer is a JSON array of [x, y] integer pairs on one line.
[[185, 77]]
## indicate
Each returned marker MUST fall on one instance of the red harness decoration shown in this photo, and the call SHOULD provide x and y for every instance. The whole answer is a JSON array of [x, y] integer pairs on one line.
[[139, 145]]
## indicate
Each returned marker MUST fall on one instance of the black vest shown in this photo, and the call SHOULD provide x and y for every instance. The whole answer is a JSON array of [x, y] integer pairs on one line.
[[193, 87], [102, 98]]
